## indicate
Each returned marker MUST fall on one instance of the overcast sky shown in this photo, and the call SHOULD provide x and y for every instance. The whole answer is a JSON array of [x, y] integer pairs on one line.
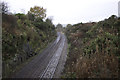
[[69, 11]]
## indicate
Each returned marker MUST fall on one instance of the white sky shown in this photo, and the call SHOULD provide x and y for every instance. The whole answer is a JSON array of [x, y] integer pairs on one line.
[[69, 11]]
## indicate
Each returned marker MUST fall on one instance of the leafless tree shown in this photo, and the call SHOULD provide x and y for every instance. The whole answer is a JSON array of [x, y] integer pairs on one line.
[[4, 7]]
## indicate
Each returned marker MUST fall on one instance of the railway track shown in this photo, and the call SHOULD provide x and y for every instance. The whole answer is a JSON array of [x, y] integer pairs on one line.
[[44, 65], [50, 70]]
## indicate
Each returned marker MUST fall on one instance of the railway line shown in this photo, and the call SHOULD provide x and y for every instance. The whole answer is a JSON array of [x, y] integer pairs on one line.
[[45, 64]]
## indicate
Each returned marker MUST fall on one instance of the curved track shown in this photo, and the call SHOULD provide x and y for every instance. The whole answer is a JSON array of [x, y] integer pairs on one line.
[[44, 65]]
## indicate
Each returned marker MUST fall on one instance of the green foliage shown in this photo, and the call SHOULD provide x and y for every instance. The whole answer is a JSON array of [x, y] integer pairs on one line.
[[59, 27], [24, 36], [94, 48], [38, 12], [21, 16], [31, 16], [9, 19]]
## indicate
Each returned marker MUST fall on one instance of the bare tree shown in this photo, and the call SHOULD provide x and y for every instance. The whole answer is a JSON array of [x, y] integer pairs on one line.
[[4, 7]]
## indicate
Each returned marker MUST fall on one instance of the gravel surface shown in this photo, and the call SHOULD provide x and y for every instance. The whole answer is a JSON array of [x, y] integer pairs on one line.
[[62, 60]]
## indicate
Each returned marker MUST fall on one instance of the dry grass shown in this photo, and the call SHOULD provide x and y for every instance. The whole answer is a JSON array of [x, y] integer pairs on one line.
[[98, 66]]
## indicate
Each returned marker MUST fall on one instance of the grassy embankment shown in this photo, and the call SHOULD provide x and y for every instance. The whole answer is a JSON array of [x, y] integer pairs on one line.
[[94, 49], [22, 39]]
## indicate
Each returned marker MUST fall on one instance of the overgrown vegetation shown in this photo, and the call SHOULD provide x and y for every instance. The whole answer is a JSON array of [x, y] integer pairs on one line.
[[94, 49], [24, 36]]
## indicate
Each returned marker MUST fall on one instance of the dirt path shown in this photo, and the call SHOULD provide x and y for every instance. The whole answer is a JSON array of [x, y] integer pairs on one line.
[[46, 64]]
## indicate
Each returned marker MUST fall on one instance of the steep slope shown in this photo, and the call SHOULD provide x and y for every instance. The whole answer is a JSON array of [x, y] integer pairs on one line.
[[93, 49], [23, 39]]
